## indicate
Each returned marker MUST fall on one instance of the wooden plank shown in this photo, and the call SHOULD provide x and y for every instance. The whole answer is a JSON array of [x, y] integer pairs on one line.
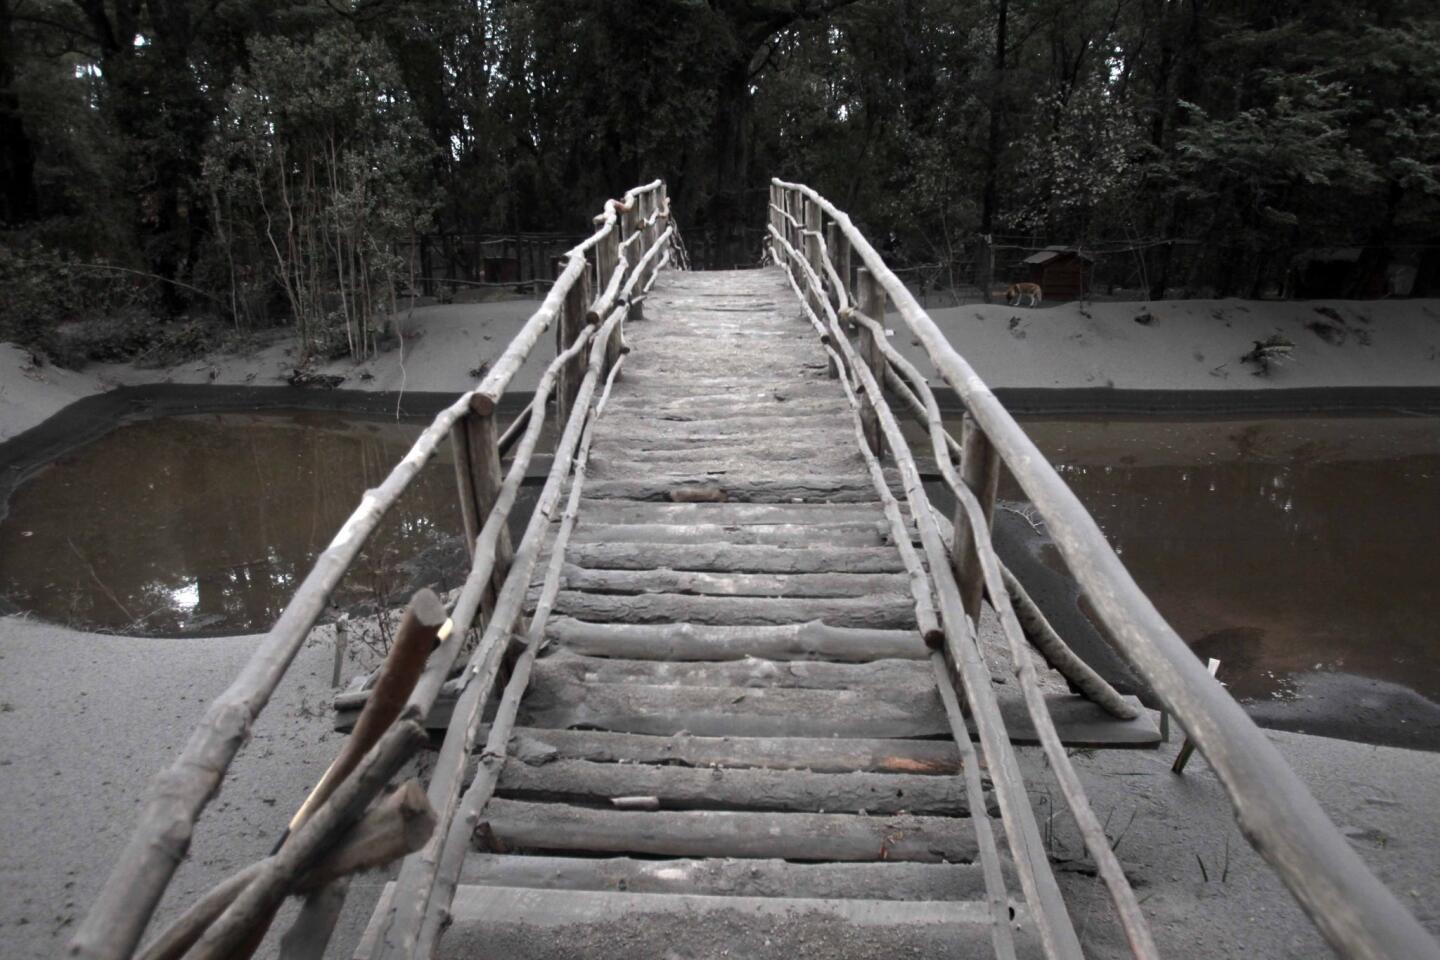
[[730, 878], [613, 510], [777, 489], [726, 583], [719, 421], [682, 449], [903, 677], [695, 641], [881, 611], [820, 754], [701, 541], [1080, 723], [691, 788], [732, 711], [725, 407], [544, 925], [534, 827]]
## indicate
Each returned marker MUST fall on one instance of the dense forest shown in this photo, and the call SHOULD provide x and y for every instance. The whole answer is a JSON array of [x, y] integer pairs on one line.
[[255, 162]]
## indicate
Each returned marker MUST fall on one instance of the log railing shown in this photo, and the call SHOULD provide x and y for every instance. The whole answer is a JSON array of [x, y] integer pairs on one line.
[[842, 281], [601, 280]]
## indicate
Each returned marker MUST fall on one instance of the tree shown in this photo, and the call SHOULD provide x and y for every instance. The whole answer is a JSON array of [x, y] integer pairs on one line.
[[321, 170]]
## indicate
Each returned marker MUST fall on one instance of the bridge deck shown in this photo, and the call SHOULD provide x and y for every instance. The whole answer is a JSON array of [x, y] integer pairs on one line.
[[735, 642]]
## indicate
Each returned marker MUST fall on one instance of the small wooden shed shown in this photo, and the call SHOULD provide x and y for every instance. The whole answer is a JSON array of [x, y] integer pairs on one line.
[[1062, 272]]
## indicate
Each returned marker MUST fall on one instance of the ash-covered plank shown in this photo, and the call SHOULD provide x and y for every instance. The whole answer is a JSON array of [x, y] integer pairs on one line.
[[776, 489], [691, 788], [614, 510], [882, 611], [730, 877], [793, 547], [647, 580], [513, 825], [820, 754], [900, 677], [699, 641], [732, 711]]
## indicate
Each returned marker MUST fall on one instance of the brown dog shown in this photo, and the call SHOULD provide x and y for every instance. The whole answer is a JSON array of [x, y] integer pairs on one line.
[[1020, 291]]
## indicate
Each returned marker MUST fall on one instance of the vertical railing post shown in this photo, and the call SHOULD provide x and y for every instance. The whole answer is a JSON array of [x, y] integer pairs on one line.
[[840, 257], [483, 478], [646, 204], [460, 447], [871, 304], [980, 471], [795, 206], [607, 256], [773, 219], [572, 321], [814, 255], [662, 202]]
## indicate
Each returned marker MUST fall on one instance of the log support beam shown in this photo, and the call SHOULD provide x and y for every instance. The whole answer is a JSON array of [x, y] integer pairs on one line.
[[980, 471], [872, 304]]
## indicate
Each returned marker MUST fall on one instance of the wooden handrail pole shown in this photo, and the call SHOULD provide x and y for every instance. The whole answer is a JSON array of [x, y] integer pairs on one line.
[[607, 256], [483, 466], [572, 321], [872, 304], [980, 471], [460, 445], [839, 249], [813, 255]]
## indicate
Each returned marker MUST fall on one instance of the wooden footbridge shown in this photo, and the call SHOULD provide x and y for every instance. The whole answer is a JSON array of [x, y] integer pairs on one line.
[[740, 689]]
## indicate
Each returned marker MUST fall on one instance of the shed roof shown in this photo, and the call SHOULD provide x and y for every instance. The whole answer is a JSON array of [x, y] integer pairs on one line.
[[1054, 253]]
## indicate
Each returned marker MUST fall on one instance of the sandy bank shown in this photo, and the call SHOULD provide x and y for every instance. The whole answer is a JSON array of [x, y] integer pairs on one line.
[[443, 347], [1196, 345], [1188, 346], [87, 719]]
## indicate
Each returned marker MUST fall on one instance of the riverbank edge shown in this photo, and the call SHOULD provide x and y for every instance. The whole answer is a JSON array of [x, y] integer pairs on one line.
[[92, 417]]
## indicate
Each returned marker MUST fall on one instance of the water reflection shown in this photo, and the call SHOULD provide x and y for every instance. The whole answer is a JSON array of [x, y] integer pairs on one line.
[[1284, 547], [206, 523]]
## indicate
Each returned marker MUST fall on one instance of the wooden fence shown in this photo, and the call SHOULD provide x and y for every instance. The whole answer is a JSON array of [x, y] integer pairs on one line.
[[842, 280], [333, 835]]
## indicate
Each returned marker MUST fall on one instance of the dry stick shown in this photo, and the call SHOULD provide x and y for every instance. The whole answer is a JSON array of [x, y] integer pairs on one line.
[[333, 818], [492, 387], [409, 823], [117, 919], [900, 388], [492, 758], [996, 894], [482, 563], [479, 676], [1057, 652], [1040, 633], [397, 825], [1137, 932], [1057, 935], [417, 875], [1353, 910], [513, 432], [1132, 920], [419, 632], [919, 582]]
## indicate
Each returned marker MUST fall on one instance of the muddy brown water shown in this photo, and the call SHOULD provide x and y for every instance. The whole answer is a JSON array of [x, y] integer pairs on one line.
[[1301, 552], [206, 523]]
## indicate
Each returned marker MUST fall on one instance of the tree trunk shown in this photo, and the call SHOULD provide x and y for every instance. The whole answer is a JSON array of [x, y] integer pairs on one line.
[[18, 203], [732, 162]]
